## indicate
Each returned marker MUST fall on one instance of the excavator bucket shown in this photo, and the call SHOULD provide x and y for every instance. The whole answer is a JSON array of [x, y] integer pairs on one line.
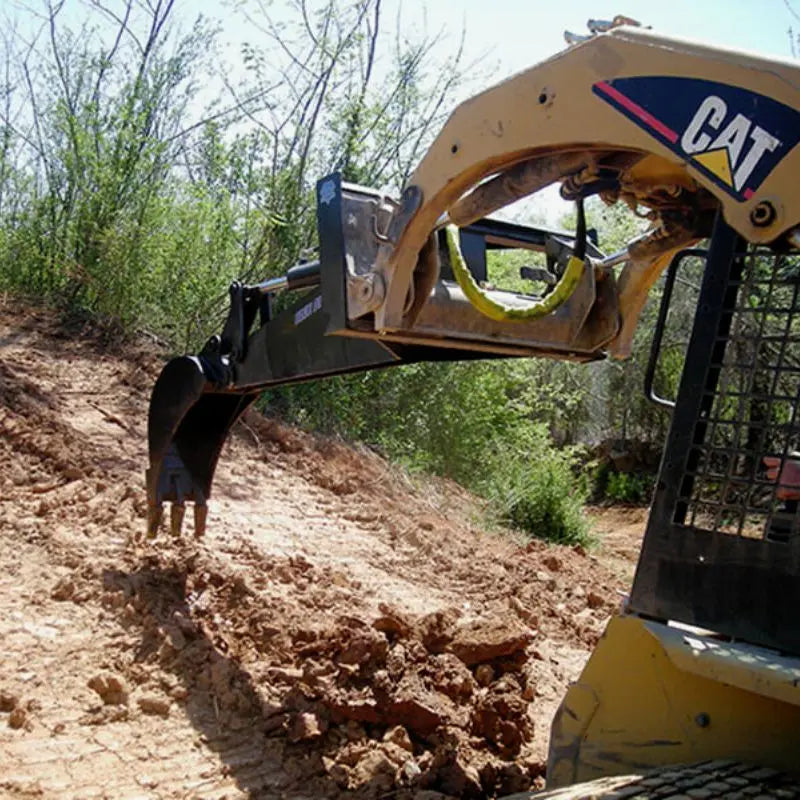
[[187, 425]]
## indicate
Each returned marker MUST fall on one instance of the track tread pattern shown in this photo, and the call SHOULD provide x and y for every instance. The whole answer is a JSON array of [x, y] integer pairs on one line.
[[709, 780]]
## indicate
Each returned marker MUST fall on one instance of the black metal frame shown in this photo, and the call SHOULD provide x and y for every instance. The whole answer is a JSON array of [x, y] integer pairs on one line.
[[661, 322], [711, 556]]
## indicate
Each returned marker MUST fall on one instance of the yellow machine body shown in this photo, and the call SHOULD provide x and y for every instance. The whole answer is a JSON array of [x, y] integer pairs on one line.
[[652, 695], [564, 117]]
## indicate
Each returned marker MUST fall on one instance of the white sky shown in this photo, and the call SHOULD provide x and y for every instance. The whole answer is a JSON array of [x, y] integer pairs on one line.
[[515, 34]]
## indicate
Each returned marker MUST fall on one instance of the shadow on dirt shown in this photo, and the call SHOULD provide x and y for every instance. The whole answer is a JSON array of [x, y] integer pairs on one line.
[[220, 698]]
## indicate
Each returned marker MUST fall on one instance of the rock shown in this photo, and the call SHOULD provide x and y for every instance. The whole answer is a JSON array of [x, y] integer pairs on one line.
[[413, 707], [269, 708], [412, 712], [529, 693], [8, 700], [179, 693], [353, 752], [527, 616], [361, 710], [339, 773], [112, 688], [396, 754], [63, 590], [398, 735], [278, 722], [484, 674], [502, 718], [362, 646], [480, 641], [451, 677], [376, 769], [552, 562], [396, 661], [153, 704], [595, 600], [460, 779], [381, 681], [392, 621], [514, 778], [17, 717], [411, 770], [304, 727], [284, 674], [436, 629]]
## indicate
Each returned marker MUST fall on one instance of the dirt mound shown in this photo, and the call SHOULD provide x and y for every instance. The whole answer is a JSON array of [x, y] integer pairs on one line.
[[339, 631], [379, 702]]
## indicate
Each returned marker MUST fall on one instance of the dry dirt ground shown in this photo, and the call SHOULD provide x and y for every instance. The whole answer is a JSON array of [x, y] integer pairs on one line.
[[339, 631]]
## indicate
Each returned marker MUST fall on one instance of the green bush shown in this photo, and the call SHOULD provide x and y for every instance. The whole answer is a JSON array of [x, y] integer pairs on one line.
[[628, 487], [470, 422], [536, 491]]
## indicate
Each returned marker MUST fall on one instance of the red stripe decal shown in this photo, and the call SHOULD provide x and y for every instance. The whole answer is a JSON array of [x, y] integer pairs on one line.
[[637, 110]]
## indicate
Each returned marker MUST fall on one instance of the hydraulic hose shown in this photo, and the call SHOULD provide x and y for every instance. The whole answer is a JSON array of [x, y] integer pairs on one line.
[[494, 309]]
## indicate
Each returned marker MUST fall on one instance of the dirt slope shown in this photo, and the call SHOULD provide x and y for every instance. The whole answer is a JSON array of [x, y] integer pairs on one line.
[[337, 632]]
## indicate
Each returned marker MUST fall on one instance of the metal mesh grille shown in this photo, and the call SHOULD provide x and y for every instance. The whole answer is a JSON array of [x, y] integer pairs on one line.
[[750, 412]]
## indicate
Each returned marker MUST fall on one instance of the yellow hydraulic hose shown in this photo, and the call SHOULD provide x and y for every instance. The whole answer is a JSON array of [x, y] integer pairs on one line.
[[493, 309]]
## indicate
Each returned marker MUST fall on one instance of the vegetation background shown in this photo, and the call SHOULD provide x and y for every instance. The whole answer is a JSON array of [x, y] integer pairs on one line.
[[130, 198]]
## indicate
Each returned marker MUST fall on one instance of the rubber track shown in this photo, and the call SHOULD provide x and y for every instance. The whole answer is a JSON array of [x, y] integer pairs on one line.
[[708, 780]]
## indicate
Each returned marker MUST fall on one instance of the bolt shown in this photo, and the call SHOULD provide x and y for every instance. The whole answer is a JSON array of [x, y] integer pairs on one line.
[[369, 290], [702, 720], [763, 214]]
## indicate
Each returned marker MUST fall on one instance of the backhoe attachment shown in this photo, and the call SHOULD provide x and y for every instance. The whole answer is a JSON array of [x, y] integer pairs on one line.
[[680, 133], [198, 398]]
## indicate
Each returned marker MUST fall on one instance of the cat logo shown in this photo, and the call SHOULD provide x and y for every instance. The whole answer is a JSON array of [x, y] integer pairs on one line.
[[728, 146], [731, 135]]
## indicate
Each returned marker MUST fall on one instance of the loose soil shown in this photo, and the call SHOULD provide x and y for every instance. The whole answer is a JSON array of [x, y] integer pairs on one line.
[[340, 631]]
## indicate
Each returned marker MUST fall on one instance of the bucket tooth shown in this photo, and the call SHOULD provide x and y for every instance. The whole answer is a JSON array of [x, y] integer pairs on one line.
[[154, 515], [176, 514], [200, 515]]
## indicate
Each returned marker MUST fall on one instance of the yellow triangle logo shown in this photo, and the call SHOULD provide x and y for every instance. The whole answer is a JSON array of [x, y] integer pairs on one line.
[[718, 162]]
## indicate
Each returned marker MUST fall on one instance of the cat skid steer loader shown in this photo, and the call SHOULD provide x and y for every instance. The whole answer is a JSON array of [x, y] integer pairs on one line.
[[702, 666]]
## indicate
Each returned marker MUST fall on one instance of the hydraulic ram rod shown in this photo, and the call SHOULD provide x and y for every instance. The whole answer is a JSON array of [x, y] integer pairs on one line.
[[301, 276]]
